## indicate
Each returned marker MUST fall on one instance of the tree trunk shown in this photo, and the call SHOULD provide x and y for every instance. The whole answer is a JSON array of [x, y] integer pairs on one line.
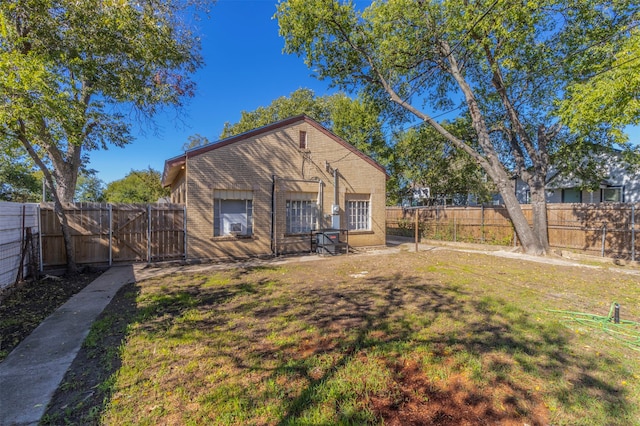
[[539, 210], [59, 210], [72, 267], [65, 171], [490, 162], [530, 241]]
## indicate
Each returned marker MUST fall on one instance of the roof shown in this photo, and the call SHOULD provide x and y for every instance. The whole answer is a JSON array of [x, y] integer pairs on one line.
[[173, 165]]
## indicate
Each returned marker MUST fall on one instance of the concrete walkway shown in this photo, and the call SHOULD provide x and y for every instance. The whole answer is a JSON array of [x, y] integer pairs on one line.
[[32, 372]]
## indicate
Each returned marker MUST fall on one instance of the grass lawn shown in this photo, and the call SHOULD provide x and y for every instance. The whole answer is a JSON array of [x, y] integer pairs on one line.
[[439, 337]]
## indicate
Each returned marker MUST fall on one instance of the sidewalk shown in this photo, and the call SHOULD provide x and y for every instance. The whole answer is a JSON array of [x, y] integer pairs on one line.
[[32, 372]]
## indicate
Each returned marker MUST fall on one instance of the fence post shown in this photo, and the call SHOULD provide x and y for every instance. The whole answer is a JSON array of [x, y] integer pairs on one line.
[[110, 208], [184, 225], [416, 230], [482, 223], [604, 236], [23, 248], [633, 232], [455, 228], [149, 233], [39, 212]]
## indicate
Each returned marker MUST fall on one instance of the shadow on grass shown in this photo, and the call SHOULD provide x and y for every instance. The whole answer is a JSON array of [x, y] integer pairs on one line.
[[484, 346], [490, 329]]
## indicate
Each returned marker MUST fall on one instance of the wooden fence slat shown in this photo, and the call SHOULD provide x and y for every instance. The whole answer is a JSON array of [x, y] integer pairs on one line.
[[579, 227], [92, 224]]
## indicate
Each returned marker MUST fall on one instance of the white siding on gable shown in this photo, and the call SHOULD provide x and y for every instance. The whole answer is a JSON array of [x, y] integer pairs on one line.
[[11, 235]]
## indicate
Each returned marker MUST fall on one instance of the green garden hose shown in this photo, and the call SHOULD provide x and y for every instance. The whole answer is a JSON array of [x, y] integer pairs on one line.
[[625, 331]]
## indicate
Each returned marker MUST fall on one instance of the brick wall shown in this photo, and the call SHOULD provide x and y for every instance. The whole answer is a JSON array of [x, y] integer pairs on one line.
[[274, 161]]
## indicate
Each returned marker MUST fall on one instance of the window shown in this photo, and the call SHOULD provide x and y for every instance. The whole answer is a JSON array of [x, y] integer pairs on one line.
[[232, 213], [359, 215], [301, 213], [612, 194], [303, 139], [571, 195]]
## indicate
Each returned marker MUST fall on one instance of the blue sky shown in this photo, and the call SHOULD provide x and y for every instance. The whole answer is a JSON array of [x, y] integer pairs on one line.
[[244, 69]]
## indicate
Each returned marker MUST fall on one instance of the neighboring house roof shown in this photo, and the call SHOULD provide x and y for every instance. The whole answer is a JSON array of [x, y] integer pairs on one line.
[[173, 165]]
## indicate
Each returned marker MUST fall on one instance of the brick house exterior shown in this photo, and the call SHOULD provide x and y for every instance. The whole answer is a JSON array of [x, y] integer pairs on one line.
[[264, 191]]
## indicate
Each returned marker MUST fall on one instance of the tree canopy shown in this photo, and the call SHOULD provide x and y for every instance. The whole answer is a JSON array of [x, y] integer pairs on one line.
[[19, 182], [195, 141], [426, 159], [74, 72], [506, 65], [89, 187], [138, 186], [608, 95], [354, 120]]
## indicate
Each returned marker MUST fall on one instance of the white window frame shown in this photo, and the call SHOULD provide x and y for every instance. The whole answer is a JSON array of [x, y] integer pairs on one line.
[[359, 214], [301, 213], [246, 224]]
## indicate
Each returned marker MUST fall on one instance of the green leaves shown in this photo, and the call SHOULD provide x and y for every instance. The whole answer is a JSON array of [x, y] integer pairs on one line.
[[139, 186], [68, 70], [426, 159], [610, 96]]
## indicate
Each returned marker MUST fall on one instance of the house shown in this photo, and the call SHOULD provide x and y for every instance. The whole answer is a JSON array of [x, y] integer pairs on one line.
[[618, 183], [263, 192]]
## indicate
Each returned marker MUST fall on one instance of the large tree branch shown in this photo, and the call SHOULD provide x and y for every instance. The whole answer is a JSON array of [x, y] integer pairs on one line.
[[516, 150], [394, 97], [58, 203], [498, 82], [22, 137], [477, 119]]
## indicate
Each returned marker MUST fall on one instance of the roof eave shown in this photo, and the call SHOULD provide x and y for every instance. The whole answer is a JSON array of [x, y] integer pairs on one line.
[[171, 169]]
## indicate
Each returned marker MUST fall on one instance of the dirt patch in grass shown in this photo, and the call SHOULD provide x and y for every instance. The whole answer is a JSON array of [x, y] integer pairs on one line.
[[457, 402], [442, 338], [27, 305]]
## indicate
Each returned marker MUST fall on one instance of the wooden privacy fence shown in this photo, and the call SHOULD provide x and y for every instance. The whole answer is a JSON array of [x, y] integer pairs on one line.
[[599, 229], [108, 233]]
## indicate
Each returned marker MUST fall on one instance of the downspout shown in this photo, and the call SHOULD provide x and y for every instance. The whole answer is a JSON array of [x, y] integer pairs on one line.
[[335, 208], [40, 237], [186, 203], [110, 207], [335, 187], [320, 204]]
